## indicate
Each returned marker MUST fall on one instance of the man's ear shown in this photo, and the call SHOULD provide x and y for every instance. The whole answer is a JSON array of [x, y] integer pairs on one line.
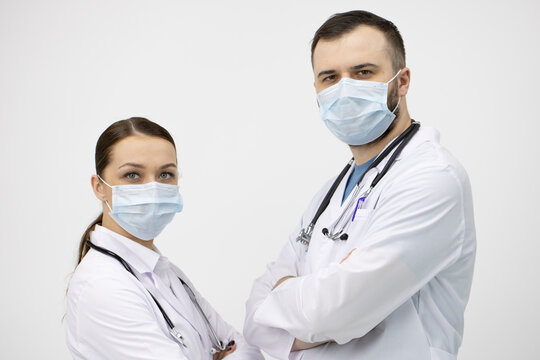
[[404, 80]]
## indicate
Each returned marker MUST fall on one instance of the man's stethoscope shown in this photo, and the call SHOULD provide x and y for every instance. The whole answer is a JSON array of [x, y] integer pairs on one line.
[[339, 229], [218, 344]]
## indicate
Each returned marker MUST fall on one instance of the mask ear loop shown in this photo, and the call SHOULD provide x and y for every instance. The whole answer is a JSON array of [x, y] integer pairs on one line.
[[392, 79], [103, 181], [399, 99]]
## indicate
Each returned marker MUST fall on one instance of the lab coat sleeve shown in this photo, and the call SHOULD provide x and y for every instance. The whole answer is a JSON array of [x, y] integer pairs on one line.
[[275, 341], [114, 322], [226, 333], [416, 231]]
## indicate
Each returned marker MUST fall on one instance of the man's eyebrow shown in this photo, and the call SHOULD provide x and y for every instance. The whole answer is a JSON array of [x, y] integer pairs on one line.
[[355, 67], [326, 72], [363, 65]]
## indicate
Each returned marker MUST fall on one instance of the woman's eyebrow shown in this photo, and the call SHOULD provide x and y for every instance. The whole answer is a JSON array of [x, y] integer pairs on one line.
[[168, 165], [132, 164]]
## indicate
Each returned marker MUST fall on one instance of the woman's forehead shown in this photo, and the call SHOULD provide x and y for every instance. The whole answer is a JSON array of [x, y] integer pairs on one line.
[[143, 149]]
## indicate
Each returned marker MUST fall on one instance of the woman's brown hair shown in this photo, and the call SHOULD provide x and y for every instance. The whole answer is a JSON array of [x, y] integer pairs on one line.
[[114, 133]]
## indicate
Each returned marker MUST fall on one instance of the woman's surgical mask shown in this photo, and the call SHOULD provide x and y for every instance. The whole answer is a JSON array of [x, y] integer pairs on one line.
[[355, 111], [144, 210]]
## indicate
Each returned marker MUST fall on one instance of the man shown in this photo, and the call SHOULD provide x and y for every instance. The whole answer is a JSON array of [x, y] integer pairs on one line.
[[383, 264]]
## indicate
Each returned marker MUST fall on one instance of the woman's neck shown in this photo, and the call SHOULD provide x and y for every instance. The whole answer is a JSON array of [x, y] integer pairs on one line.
[[110, 224]]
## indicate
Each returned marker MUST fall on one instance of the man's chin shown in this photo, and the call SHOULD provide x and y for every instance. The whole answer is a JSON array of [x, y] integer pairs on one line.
[[386, 132]]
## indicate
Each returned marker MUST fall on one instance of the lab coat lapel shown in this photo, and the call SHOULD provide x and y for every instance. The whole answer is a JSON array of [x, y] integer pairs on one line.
[[196, 320], [152, 283], [180, 303], [336, 206], [335, 203]]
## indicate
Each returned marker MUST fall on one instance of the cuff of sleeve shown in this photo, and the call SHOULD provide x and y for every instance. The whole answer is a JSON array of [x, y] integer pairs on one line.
[[276, 342], [295, 355], [282, 309], [278, 272]]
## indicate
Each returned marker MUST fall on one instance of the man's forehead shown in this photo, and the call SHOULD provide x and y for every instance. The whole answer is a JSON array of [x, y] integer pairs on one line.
[[364, 44]]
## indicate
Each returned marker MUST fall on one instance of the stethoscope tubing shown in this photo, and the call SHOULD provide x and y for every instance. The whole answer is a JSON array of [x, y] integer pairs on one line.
[[398, 144], [170, 324]]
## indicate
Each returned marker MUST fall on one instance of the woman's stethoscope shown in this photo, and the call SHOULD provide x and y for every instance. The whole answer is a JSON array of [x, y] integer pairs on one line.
[[348, 214], [218, 344]]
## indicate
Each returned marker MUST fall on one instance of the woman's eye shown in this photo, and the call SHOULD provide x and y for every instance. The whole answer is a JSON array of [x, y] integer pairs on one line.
[[132, 176], [166, 176]]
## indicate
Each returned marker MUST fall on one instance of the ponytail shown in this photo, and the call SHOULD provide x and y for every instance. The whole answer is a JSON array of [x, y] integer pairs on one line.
[[83, 246]]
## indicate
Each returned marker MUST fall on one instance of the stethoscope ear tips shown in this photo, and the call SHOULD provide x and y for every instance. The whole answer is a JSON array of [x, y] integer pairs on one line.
[[325, 231], [344, 237]]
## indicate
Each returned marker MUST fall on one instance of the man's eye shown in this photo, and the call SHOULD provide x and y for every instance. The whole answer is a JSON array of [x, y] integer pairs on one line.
[[363, 72], [329, 78]]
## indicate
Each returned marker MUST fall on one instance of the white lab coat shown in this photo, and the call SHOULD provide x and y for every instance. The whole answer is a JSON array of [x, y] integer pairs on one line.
[[402, 292], [111, 315]]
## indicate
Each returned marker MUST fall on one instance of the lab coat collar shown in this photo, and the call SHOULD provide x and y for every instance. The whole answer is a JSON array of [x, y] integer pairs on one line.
[[424, 134], [143, 260], [139, 257]]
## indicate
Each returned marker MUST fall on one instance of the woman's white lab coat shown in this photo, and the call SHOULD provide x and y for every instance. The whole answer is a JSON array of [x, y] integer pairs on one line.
[[402, 292], [111, 315]]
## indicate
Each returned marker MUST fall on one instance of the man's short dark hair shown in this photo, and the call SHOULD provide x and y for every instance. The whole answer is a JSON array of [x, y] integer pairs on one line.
[[340, 24]]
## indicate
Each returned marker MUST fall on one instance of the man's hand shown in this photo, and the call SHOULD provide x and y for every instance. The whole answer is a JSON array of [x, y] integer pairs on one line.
[[346, 257], [281, 281], [231, 347], [300, 345]]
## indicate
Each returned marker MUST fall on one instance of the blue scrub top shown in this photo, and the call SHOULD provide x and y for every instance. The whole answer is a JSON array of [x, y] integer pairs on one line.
[[355, 176]]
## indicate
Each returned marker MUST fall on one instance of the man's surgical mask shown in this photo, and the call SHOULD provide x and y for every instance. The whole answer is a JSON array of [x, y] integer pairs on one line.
[[144, 210], [355, 111]]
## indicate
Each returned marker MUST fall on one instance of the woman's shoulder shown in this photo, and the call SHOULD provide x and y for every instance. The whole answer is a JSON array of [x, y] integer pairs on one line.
[[99, 276], [104, 303]]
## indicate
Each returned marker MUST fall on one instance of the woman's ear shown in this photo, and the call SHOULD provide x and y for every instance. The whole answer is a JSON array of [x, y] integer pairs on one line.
[[98, 187]]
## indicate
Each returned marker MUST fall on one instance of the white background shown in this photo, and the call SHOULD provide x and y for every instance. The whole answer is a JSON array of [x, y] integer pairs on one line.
[[232, 82]]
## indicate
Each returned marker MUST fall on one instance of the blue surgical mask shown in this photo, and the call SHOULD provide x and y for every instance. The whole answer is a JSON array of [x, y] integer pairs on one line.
[[144, 210], [355, 111]]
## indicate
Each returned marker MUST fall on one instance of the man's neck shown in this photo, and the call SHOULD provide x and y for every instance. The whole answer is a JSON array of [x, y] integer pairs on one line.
[[364, 153]]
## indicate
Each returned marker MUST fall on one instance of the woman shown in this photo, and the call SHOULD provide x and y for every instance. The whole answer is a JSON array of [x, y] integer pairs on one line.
[[125, 300]]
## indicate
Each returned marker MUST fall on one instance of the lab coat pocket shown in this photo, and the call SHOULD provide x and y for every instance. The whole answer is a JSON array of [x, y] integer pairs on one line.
[[361, 214], [359, 223]]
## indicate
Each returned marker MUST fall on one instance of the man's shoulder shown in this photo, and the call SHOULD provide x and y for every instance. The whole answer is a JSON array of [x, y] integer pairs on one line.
[[426, 155]]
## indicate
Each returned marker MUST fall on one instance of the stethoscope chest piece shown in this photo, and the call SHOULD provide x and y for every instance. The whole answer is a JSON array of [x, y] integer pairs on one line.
[[304, 237]]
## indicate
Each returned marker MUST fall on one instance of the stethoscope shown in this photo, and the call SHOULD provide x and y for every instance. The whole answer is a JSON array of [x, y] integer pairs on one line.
[[218, 344], [338, 231]]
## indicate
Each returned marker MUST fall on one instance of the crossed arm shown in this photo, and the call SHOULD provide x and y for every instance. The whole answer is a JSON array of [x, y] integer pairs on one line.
[[299, 344], [417, 233]]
